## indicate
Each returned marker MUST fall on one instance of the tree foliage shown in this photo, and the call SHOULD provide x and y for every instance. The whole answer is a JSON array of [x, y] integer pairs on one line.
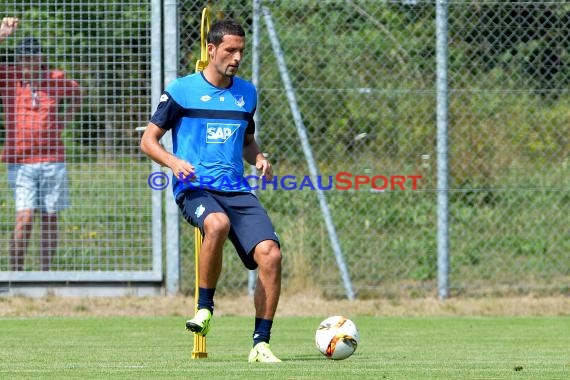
[[356, 68]]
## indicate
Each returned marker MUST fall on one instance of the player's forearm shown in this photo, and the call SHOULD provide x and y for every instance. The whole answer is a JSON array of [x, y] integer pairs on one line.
[[153, 149], [151, 146], [156, 152], [251, 152], [253, 158]]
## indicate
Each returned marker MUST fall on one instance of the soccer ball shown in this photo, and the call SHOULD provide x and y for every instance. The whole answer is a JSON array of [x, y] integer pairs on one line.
[[337, 337]]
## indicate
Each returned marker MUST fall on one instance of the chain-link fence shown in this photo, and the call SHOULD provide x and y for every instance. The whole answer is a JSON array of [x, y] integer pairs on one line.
[[75, 96], [363, 75]]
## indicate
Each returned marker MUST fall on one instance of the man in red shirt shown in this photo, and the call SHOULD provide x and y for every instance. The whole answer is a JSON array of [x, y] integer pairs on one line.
[[33, 97]]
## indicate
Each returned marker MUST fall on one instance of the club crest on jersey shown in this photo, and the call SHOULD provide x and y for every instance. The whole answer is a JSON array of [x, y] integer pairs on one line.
[[240, 102], [219, 133]]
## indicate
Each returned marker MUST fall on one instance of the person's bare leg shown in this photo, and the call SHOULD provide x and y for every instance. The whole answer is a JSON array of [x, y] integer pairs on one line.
[[266, 297], [21, 238], [267, 255], [216, 229], [48, 244]]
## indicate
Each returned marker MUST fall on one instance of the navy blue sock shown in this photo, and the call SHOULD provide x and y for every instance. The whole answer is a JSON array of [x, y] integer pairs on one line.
[[206, 299], [262, 331]]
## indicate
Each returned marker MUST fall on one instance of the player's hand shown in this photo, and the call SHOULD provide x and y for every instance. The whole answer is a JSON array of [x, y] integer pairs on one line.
[[183, 170], [265, 167], [8, 26]]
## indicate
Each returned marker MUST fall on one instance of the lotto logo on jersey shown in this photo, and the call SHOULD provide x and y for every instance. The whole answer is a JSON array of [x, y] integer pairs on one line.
[[219, 133]]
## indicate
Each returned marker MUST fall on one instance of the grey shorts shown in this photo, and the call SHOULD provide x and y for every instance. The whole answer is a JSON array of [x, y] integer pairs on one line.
[[42, 186]]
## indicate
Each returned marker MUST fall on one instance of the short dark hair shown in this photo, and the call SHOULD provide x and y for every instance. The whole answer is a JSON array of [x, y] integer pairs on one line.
[[219, 29], [29, 46]]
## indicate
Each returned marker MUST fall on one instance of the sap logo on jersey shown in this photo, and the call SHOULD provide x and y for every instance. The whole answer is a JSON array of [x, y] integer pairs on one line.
[[219, 133]]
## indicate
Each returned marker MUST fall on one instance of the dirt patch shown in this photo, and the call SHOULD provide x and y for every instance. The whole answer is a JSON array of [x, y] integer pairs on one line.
[[290, 305]]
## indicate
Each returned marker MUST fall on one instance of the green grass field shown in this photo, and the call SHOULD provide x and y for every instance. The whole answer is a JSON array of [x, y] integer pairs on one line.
[[391, 348]]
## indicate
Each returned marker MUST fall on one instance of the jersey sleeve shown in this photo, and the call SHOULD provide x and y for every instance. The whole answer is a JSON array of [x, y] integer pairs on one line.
[[251, 124], [167, 113]]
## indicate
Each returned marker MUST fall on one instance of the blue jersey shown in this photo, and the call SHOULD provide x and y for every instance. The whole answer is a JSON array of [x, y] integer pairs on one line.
[[208, 125]]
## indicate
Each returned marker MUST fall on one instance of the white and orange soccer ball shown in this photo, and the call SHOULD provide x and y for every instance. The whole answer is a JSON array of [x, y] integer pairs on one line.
[[337, 337]]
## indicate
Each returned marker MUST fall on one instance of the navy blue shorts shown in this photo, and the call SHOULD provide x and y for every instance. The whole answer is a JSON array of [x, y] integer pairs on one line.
[[249, 222]]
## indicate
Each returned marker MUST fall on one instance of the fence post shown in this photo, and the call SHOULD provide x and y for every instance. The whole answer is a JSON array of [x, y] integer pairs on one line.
[[255, 67], [156, 88], [172, 217], [442, 151]]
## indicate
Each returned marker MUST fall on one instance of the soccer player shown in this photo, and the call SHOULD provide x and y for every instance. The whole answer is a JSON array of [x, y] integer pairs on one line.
[[33, 96], [210, 114]]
